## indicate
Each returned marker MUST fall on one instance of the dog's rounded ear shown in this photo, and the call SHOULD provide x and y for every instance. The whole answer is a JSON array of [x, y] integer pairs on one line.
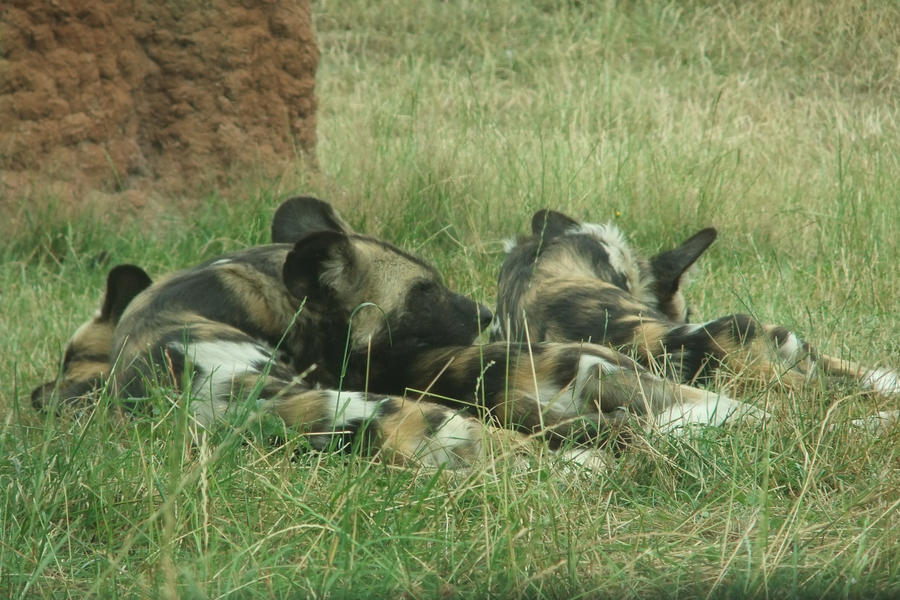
[[548, 223], [319, 260], [669, 266], [123, 283], [301, 215]]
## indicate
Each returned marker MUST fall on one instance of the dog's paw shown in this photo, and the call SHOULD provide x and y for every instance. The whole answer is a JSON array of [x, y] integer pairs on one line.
[[593, 460], [878, 423], [885, 382], [711, 408]]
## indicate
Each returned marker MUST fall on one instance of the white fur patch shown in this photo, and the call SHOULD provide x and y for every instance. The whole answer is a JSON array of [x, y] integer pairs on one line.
[[456, 432], [594, 460], [689, 328], [221, 261], [883, 381], [570, 401], [219, 362], [509, 244], [496, 329], [559, 402], [587, 366], [621, 257], [712, 409], [351, 407], [206, 412], [607, 233], [790, 350], [878, 423]]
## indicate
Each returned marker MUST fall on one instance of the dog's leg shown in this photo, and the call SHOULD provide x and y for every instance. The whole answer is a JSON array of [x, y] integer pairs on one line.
[[399, 429], [218, 368], [881, 381], [570, 391], [794, 351], [662, 404], [697, 351], [746, 347]]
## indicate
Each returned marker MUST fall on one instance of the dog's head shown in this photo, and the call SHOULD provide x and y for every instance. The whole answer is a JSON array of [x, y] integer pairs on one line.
[[86, 361], [392, 297], [602, 252]]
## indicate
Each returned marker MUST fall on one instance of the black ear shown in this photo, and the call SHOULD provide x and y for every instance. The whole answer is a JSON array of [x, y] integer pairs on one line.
[[317, 260], [669, 266], [123, 283], [301, 215], [548, 223]]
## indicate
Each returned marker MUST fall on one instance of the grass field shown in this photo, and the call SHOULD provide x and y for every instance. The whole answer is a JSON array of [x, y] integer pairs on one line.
[[442, 127]]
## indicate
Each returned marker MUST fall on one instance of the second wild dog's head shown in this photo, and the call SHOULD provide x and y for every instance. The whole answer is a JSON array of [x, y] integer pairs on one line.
[[395, 301], [86, 361], [567, 273]]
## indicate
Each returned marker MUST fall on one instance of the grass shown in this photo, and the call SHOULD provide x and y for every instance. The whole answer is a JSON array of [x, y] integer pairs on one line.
[[442, 127]]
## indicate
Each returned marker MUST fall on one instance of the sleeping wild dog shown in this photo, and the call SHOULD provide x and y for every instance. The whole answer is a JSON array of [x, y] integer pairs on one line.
[[85, 363], [329, 328], [572, 281]]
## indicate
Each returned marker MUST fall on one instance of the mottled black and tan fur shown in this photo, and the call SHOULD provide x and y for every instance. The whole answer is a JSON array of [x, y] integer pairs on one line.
[[330, 329], [302, 326], [571, 282], [85, 363]]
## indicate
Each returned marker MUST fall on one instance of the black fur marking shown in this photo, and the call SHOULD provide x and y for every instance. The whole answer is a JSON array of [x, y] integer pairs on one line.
[[738, 328], [780, 335], [298, 216], [203, 293], [594, 253], [389, 407], [73, 353], [687, 354], [668, 267], [123, 283], [549, 224], [587, 314], [435, 419]]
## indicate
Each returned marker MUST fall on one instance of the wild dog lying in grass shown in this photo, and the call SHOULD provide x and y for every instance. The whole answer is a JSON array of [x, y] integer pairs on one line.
[[85, 363], [572, 282], [297, 324]]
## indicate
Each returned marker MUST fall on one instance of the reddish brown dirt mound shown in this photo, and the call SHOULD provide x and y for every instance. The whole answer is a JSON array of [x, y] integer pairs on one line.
[[173, 94]]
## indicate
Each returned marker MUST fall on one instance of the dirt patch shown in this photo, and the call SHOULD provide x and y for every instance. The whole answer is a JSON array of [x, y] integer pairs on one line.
[[167, 95]]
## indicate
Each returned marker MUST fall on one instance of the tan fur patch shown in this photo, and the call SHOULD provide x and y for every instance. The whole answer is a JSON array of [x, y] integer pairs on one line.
[[383, 278]]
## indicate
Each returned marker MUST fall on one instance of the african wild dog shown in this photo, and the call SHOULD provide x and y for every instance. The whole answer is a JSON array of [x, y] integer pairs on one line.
[[570, 281], [85, 364]]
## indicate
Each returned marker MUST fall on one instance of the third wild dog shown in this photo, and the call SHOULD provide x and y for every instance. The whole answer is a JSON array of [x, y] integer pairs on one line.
[[571, 281]]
